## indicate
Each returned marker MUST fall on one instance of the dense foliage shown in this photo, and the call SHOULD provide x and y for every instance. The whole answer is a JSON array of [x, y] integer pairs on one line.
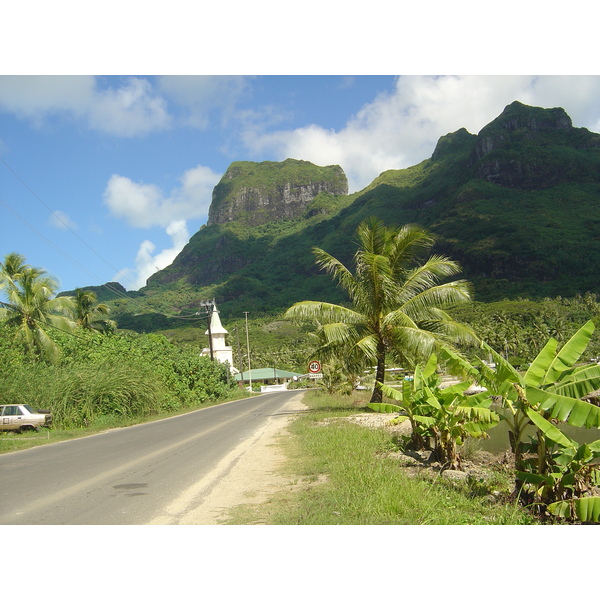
[[119, 375], [519, 328]]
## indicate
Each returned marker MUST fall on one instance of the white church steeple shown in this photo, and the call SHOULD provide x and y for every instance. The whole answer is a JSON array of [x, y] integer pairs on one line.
[[217, 345]]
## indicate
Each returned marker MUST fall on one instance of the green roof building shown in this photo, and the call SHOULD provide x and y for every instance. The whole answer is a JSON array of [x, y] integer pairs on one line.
[[271, 379]]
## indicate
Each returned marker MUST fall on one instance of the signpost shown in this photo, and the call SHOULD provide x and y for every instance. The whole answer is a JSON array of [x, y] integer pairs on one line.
[[314, 370]]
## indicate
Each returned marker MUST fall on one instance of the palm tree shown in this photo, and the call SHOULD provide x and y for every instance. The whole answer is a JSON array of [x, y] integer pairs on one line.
[[32, 307], [89, 314], [397, 303]]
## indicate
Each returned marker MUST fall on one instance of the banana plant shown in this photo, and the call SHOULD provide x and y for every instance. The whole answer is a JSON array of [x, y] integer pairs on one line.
[[571, 473], [444, 416], [411, 401], [552, 387]]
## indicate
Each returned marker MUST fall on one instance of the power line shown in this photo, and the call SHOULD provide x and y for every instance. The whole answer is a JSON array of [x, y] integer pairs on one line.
[[68, 257], [57, 216], [53, 245]]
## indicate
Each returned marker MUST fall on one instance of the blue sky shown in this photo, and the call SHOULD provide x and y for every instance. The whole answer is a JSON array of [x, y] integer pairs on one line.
[[105, 178]]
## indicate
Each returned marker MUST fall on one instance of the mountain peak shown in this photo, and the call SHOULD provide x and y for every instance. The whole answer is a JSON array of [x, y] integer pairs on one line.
[[257, 193], [452, 142], [533, 118]]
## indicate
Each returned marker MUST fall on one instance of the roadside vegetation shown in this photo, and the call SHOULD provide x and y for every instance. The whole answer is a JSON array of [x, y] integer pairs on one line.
[[399, 314], [528, 365], [342, 473], [65, 355]]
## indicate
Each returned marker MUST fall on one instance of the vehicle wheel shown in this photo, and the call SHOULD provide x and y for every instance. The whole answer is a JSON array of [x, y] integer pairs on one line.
[[28, 428]]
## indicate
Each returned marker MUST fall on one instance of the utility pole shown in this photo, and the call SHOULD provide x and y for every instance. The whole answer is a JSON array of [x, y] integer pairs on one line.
[[248, 348], [241, 363], [209, 307]]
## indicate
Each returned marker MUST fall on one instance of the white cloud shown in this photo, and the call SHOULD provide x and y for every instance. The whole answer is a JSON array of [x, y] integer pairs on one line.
[[202, 94], [129, 110], [147, 263], [145, 205], [132, 108], [34, 97], [61, 220], [138, 203], [124, 107], [400, 129]]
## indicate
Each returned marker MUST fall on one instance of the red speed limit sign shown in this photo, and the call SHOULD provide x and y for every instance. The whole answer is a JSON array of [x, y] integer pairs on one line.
[[314, 366]]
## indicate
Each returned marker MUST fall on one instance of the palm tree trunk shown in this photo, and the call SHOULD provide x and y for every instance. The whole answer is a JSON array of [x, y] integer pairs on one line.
[[377, 395]]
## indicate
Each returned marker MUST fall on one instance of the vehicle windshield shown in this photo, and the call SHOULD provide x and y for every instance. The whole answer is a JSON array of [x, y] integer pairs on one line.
[[31, 410]]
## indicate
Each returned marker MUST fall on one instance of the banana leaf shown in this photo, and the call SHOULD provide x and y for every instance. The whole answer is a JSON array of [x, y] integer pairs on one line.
[[427, 421], [594, 446], [505, 373], [570, 353], [430, 367], [478, 413], [578, 382], [586, 510], [431, 399], [383, 407], [570, 410], [550, 431], [458, 365], [482, 399], [456, 388], [540, 365], [393, 393], [535, 478], [477, 430]]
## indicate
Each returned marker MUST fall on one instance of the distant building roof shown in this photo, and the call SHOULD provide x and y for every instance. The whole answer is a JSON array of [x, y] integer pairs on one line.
[[264, 374]]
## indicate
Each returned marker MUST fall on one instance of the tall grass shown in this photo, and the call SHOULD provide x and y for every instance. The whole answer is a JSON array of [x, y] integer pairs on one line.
[[79, 396]]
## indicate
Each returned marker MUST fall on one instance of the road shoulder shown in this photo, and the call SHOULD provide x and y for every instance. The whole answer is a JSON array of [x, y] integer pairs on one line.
[[248, 475]]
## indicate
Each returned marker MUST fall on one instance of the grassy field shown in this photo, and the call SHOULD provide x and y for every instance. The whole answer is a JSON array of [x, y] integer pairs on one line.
[[342, 474]]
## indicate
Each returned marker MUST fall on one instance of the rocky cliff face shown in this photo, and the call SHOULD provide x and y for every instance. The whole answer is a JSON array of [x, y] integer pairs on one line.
[[249, 195], [518, 149], [259, 193]]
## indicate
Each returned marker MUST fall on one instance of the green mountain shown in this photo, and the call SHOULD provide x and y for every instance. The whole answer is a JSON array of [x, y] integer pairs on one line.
[[518, 205]]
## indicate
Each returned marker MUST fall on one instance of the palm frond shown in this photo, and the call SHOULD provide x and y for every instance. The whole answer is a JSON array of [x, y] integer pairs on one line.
[[322, 311], [429, 274], [442, 296], [334, 267]]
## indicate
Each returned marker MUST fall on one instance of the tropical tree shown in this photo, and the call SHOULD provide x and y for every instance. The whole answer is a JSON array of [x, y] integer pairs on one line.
[[443, 416], [89, 314], [397, 303], [336, 378], [32, 308]]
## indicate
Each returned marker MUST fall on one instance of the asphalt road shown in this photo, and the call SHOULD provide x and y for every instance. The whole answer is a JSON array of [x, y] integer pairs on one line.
[[131, 476]]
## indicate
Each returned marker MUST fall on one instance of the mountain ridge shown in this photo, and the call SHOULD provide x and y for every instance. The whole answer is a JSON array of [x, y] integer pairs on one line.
[[517, 205]]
